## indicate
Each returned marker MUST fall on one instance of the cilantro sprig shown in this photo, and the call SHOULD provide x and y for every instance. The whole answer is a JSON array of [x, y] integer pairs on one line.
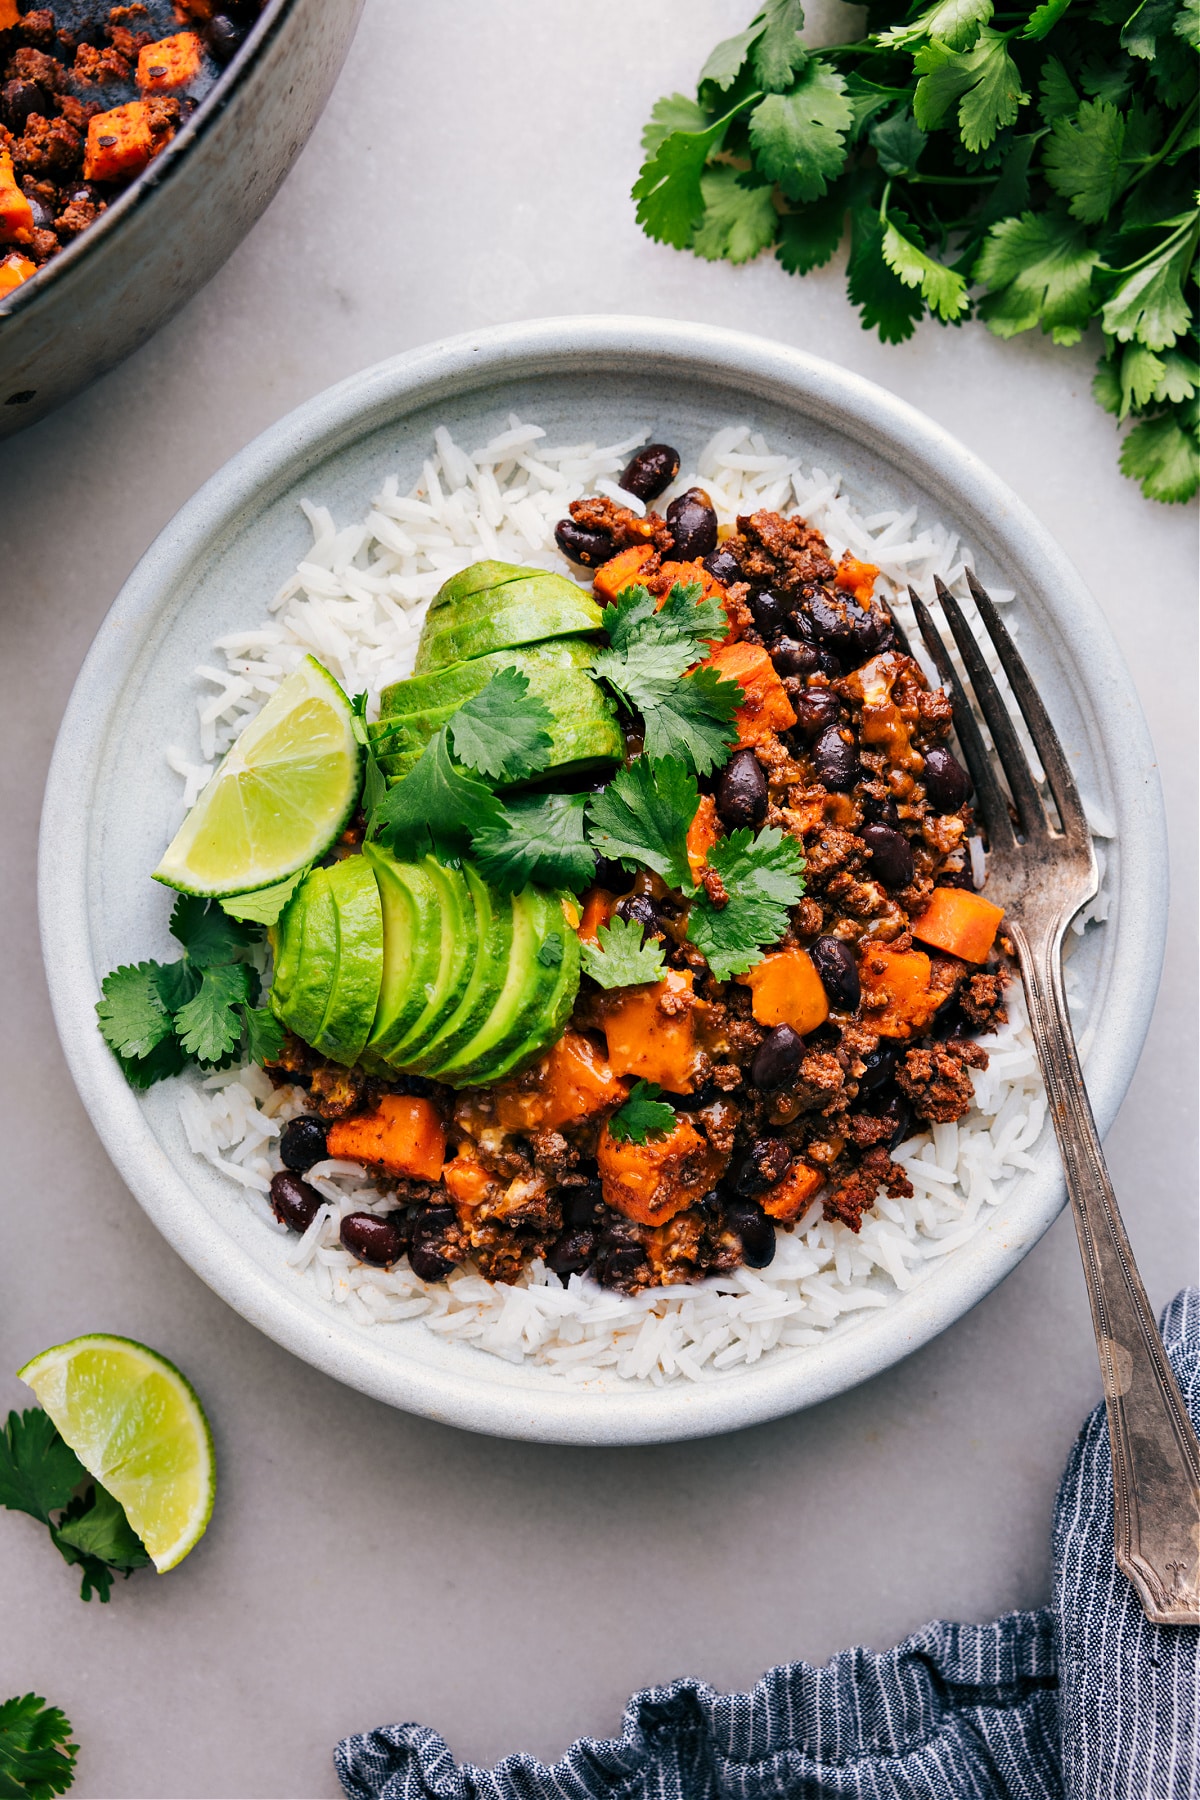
[[622, 956], [157, 1017], [1032, 166], [41, 1475], [650, 652], [37, 1757], [642, 1116]]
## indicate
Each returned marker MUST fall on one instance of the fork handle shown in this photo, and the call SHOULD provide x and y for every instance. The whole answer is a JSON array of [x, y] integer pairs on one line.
[[1156, 1459]]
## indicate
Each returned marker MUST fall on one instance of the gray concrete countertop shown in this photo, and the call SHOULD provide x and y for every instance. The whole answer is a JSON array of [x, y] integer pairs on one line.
[[363, 1566]]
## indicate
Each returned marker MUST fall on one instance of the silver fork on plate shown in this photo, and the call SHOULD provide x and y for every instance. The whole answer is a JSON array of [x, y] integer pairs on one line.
[[1042, 873]]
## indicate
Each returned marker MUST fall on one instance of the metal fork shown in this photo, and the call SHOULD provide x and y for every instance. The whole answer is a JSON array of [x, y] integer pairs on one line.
[[1042, 874]]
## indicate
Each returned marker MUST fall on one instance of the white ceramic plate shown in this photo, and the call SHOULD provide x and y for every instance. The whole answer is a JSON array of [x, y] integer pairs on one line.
[[110, 799]]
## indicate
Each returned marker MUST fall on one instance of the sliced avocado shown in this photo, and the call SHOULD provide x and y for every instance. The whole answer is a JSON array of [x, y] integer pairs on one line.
[[548, 1027], [350, 1010], [494, 926], [520, 612], [478, 579], [412, 949], [528, 986], [457, 951], [306, 940], [451, 686]]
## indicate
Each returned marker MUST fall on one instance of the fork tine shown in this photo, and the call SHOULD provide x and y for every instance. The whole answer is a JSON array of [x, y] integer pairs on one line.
[[1045, 738], [1030, 811], [993, 802]]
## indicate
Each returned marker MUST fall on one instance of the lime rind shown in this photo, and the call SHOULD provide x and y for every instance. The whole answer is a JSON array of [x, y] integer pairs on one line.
[[136, 1424]]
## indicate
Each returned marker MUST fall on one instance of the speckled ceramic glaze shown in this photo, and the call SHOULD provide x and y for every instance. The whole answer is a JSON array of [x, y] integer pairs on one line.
[[110, 797], [170, 230]]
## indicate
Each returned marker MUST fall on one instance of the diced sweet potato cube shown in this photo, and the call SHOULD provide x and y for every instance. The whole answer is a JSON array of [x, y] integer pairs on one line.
[[613, 577], [652, 1182], [598, 908], [651, 1032], [710, 588], [786, 990], [857, 578], [901, 990], [404, 1137], [572, 1082], [703, 832], [16, 214], [9, 16], [171, 63], [959, 922], [791, 1196], [119, 143], [766, 707], [13, 271], [467, 1181]]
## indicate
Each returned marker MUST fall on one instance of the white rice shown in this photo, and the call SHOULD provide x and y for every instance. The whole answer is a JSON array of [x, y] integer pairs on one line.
[[357, 602]]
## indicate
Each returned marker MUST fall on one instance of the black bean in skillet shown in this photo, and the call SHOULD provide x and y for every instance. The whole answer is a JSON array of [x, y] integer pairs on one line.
[[638, 909], [765, 1163], [19, 99], [880, 1067], [816, 709], [777, 1059], [650, 470], [583, 545], [838, 968], [770, 613], [899, 1114], [293, 1202], [303, 1143], [429, 1230], [693, 525], [373, 1237], [891, 855], [581, 1205], [754, 1228], [617, 1262], [723, 565], [792, 656], [225, 37], [572, 1252], [835, 760], [947, 783], [742, 791]]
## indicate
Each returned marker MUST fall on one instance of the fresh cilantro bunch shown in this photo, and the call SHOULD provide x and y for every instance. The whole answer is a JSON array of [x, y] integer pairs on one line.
[[41, 1475], [1034, 166], [642, 1116], [158, 1017], [37, 1757], [650, 651]]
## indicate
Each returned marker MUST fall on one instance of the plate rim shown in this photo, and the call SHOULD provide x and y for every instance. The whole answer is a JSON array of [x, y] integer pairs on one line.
[[275, 460]]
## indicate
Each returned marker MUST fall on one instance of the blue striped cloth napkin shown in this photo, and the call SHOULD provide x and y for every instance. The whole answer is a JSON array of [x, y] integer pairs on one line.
[[1083, 1699]]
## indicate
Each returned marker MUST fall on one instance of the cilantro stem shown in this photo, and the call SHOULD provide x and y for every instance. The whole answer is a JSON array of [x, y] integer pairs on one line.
[[953, 180], [1180, 231], [1151, 162]]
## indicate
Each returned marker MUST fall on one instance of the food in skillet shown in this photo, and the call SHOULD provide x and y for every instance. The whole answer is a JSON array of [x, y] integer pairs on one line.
[[654, 930], [89, 95]]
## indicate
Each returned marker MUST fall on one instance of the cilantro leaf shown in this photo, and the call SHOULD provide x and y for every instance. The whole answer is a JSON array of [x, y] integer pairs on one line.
[[437, 806], [264, 1034], [762, 877], [642, 1116], [1057, 95], [692, 719], [1106, 385], [674, 112], [539, 838], [738, 221], [1180, 379], [165, 1060], [1187, 24], [727, 60], [944, 291], [207, 933], [132, 1017], [670, 200], [1082, 159], [620, 957], [777, 53], [101, 1530], [37, 1757], [550, 951], [953, 22], [1145, 25], [38, 1471], [1043, 18], [264, 905], [898, 142], [210, 1025], [983, 84], [673, 633], [799, 138], [886, 303], [642, 818], [1149, 304], [808, 238], [1039, 269], [1164, 457], [504, 730]]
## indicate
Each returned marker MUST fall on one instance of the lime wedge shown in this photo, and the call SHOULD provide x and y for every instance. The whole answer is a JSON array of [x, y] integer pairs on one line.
[[281, 797], [135, 1423]]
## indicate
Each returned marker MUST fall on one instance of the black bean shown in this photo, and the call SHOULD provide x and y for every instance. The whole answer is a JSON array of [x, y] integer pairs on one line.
[[639, 909], [867, 629], [21, 98], [755, 1230], [742, 790], [583, 545], [723, 565], [302, 1142], [835, 761], [429, 1230], [650, 470], [225, 37], [765, 1163], [816, 709], [891, 855], [897, 1110], [616, 1266], [571, 1252], [293, 1202], [610, 874], [832, 619], [581, 1205], [947, 783], [802, 625], [951, 1022], [373, 1237], [881, 1064], [792, 657], [881, 812], [770, 612], [693, 525], [838, 968], [43, 218], [777, 1058]]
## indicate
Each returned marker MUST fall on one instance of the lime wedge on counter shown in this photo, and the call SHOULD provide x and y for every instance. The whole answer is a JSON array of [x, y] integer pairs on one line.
[[280, 799], [135, 1423]]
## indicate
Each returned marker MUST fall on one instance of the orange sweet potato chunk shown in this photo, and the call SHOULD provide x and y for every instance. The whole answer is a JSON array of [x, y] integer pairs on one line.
[[857, 578], [16, 214], [9, 16], [786, 990], [572, 1082], [791, 1196], [598, 908], [703, 832], [959, 922], [611, 578], [652, 1182], [651, 1031], [466, 1180], [13, 271], [898, 997], [765, 707], [404, 1137], [119, 143], [170, 63]]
